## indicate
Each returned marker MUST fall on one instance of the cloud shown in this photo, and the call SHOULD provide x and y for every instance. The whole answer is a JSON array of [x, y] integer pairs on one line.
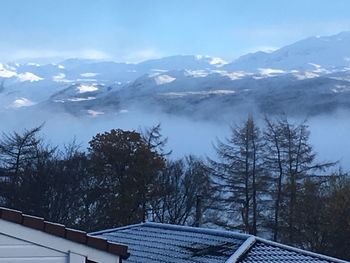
[[139, 55], [26, 54], [53, 55], [271, 37]]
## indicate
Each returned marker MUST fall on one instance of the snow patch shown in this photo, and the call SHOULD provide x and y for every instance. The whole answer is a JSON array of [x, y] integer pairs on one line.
[[340, 89], [86, 88], [86, 80], [81, 99], [5, 73], [33, 64], [315, 65], [319, 69], [21, 102], [60, 78], [306, 75], [233, 75], [163, 79], [28, 76], [94, 113], [188, 93], [58, 101], [270, 71], [89, 75], [159, 70], [197, 73], [218, 61]]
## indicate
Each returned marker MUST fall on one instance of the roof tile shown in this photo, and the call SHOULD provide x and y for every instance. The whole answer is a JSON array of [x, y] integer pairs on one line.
[[59, 230]]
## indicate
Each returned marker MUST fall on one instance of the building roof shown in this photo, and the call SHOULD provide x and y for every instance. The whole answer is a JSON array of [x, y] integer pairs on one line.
[[155, 242], [61, 231], [152, 242]]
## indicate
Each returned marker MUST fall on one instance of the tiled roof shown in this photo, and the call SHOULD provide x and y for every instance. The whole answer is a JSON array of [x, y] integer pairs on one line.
[[59, 230], [154, 243], [267, 251]]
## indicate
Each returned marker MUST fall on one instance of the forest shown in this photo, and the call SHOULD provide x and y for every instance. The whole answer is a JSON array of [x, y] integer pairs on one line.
[[266, 180]]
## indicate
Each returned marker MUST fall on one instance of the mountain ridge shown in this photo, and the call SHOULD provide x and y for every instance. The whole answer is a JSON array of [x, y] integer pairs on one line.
[[190, 81]]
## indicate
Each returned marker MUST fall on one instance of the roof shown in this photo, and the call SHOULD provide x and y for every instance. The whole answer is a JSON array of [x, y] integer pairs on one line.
[[152, 242], [263, 250], [155, 242], [61, 231]]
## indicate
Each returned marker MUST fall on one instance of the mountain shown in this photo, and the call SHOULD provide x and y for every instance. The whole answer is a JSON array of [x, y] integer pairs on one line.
[[327, 53], [181, 62], [308, 77]]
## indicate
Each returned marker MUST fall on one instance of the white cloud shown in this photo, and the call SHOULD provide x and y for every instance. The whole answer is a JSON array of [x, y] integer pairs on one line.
[[24, 54], [135, 56]]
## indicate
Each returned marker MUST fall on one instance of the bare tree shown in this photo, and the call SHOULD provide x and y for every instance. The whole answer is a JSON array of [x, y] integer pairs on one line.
[[238, 174], [290, 159], [181, 184], [155, 140]]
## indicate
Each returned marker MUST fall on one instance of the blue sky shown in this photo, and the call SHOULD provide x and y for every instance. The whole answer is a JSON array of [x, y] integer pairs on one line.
[[135, 30]]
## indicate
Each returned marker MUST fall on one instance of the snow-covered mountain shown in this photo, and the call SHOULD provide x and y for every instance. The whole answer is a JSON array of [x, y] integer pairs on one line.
[[323, 53], [82, 97], [308, 77]]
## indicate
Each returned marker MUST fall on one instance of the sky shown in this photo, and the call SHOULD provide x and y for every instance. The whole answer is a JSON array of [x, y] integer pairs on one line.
[[137, 30]]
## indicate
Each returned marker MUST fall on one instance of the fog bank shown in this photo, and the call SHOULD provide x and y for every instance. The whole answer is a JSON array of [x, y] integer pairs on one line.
[[329, 133]]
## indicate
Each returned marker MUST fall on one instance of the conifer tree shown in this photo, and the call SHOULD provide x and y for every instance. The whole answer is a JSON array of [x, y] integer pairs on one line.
[[238, 174]]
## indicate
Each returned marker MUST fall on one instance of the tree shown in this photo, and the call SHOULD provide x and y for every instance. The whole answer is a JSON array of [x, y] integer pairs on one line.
[[311, 215], [155, 141], [290, 159], [18, 149], [20, 154], [124, 169], [238, 175], [182, 184], [69, 186], [322, 215], [337, 211], [41, 180]]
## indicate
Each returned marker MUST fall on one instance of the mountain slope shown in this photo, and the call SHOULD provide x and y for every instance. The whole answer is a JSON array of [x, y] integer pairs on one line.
[[330, 52]]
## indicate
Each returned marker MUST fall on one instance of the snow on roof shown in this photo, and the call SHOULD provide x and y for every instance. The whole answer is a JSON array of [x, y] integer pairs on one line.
[[155, 242]]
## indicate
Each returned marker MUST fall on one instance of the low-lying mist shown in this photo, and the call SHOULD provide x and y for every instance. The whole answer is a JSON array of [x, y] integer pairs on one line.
[[329, 133]]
